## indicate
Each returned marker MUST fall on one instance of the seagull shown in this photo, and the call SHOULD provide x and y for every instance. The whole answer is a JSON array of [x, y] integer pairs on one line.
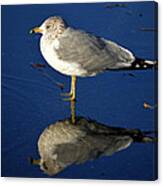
[[76, 53]]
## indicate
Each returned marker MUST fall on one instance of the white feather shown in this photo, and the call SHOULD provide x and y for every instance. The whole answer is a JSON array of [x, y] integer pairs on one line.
[[150, 62], [49, 53]]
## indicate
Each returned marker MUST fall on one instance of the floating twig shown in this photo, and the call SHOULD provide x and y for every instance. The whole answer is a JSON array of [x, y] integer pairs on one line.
[[40, 67], [144, 29], [129, 74], [116, 5]]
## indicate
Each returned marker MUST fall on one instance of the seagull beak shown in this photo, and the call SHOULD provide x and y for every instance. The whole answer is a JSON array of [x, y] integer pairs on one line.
[[36, 30]]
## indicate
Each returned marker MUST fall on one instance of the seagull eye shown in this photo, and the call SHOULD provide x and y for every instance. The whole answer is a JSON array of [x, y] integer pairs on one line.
[[48, 26]]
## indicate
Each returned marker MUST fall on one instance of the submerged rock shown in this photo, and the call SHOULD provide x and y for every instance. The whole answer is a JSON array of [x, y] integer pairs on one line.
[[63, 143]]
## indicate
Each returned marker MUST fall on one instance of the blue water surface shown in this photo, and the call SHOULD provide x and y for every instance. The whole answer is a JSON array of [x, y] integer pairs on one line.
[[31, 101]]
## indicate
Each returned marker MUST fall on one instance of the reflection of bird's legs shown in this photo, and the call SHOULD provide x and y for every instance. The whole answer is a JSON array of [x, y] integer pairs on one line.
[[73, 112], [72, 93]]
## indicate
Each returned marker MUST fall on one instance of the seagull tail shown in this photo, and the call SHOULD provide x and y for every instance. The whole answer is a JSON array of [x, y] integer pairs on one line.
[[140, 64]]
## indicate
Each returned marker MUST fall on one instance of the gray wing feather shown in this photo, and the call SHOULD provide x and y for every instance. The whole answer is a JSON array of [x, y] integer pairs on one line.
[[92, 53]]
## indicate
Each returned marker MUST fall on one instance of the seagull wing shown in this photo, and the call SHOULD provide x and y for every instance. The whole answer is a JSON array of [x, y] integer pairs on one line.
[[93, 54]]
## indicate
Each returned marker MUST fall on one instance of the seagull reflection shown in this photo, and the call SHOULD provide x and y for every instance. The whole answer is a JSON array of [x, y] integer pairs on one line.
[[64, 143]]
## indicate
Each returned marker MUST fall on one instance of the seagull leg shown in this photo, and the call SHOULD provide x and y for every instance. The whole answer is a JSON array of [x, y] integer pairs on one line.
[[73, 88], [72, 94]]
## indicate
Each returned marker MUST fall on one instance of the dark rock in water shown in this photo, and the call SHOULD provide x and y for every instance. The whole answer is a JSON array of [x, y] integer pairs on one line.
[[63, 143]]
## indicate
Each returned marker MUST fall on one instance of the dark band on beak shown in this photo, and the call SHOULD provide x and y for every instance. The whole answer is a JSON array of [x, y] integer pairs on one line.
[[36, 30]]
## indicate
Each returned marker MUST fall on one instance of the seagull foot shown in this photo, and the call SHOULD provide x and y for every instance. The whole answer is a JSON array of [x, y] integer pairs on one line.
[[71, 98], [67, 94]]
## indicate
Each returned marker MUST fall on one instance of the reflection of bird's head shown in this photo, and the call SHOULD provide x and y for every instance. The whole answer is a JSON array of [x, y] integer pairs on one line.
[[51, 25], [50, 166]]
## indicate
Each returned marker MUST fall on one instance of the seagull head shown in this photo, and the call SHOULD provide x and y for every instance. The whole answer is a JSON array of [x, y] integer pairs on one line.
[[49, 165], [51, 25]]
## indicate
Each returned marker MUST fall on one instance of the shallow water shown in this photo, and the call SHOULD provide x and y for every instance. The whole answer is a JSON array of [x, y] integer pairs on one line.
[[31, 101]]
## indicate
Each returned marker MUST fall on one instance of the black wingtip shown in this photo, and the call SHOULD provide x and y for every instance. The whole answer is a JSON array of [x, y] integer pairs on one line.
[[140, 64]]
